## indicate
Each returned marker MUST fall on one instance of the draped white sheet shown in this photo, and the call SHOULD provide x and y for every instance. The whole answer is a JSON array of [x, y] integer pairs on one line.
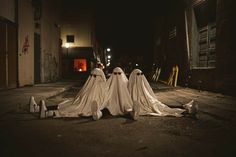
[[93, 90], [141, 91], [118, 100]]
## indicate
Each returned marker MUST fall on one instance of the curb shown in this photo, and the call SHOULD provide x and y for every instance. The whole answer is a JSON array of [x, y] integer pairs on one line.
[[23, 102], [58, 92]]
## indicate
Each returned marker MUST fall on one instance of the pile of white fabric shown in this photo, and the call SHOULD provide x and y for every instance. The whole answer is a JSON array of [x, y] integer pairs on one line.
[[142, 92], [93, 92], [118, 100], [119, 95]]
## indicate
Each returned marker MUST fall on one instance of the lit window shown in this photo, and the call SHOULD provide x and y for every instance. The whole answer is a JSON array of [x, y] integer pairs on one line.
[[203, 35]]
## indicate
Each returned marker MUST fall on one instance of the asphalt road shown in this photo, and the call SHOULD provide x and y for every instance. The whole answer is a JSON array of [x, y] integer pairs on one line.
[[210, 134]]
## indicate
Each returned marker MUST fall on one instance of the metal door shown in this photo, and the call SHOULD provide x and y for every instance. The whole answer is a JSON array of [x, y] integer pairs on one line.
[[3, 79], [12, 55], [37, 58]]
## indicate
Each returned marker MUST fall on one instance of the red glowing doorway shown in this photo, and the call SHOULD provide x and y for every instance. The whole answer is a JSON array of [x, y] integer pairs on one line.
[[80, 65]]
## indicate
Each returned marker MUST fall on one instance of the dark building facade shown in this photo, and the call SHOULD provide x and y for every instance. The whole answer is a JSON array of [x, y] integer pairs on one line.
[[77, 62], [198, 36]]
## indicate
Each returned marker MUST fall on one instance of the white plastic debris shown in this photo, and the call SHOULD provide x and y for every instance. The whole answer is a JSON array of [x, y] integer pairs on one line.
[[33, 106], [191, 107], [43, 109], [136, 110]]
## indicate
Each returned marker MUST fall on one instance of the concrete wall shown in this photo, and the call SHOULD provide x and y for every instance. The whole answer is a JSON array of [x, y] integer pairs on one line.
[[81, 31], [50, 41], [26, 32], [7, 9], [78, 21], [225, 45], [193, 36]]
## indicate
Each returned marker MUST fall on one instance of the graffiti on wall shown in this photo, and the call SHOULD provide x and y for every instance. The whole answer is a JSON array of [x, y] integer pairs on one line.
[[26, 45]]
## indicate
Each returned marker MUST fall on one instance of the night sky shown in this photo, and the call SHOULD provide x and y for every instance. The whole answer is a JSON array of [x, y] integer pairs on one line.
[[125, 26], [129, 26]]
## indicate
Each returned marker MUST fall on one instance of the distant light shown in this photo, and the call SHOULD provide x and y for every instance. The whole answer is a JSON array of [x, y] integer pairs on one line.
[[108, 60], [109, 56], [108, 64], [136, 64], [80, 69], [67, 45], [108, 49]]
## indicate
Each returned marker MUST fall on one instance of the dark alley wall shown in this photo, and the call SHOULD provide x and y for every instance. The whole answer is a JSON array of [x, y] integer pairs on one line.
[[170, 41], [226, 45], [172, 45]]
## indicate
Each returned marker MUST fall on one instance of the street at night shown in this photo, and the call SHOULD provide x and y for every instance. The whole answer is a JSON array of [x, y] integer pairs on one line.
[[210, 133], [117, 78]]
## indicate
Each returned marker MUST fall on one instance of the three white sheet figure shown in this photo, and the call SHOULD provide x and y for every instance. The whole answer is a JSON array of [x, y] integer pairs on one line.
[[118, 100], [141, 92], [91, 94]]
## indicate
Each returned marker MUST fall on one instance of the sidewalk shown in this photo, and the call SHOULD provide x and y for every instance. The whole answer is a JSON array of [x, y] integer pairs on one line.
[[158, 86], [13, 99]]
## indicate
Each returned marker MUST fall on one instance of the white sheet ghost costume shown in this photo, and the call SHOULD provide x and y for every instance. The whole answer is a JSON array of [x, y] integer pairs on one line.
[[141, 92], [91, 96], [118, 100]]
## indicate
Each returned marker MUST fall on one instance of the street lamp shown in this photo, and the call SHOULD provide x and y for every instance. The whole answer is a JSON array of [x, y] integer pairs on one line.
[[108, 56], [67, 45]]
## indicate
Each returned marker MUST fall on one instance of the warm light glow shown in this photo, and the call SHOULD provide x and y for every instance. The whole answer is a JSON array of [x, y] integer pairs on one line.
[[136, 64], [67, 45], [80, 65], [109, 56], [108, 49]]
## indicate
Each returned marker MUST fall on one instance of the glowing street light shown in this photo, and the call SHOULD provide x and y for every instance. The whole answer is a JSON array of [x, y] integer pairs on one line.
[[108, 49], [109, 56], [67, 45]]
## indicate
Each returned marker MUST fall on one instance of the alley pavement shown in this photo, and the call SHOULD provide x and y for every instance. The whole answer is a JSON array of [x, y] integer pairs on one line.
[[210, 133], [13, 99]]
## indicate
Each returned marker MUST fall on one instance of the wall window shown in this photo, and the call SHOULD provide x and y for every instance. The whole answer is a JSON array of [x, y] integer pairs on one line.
[[172, 33], [203, 28], [70, 38], [207, 44]]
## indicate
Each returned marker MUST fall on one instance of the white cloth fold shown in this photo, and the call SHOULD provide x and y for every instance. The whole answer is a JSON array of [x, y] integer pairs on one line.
[[118, 100], [93, 90], [141, 91]]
